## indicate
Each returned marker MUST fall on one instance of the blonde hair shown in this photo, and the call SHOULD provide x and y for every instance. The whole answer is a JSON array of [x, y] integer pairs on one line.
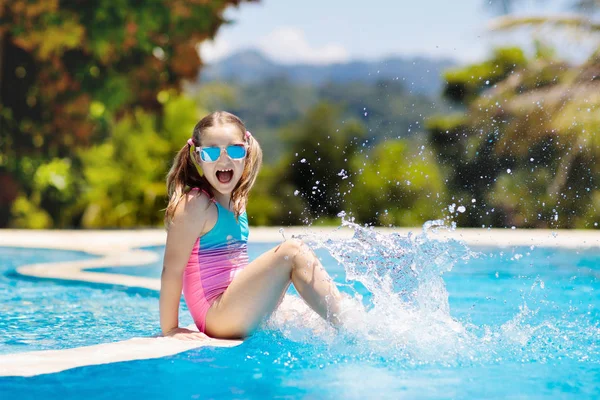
[[185, 171]]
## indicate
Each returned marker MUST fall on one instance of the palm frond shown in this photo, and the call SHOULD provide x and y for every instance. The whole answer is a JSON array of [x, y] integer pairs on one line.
[[564, 21]]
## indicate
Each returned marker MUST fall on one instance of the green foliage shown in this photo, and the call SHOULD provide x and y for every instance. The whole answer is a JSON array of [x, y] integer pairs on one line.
[[272, 201], [75, 69], [396, 185], [466, 83], [89, 137], [118, 54], [447, 134], [179, 118], [521, 199], [27, 214], [125, 175], [322, 144], [329, 168], [590, 218], [56, 176], [538, 124], [53, 188], [117, 183]]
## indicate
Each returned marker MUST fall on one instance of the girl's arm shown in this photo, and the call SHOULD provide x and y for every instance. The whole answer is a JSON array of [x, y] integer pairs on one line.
[[185, 228]]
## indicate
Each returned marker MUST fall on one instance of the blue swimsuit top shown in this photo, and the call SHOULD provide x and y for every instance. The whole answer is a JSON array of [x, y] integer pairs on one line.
[[227, 230]]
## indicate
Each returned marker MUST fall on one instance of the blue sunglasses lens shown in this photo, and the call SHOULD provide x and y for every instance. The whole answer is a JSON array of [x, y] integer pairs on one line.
[[210, 154], [236, 152]]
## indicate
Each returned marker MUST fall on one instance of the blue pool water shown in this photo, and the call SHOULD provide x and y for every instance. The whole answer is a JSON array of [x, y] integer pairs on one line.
[[47, 314], [503, 323]]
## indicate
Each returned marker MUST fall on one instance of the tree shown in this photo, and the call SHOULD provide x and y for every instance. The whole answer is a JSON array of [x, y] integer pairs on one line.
[[67, 68], [125, 188], [397, 183], [526, 147], [570, 105], [321, 145]]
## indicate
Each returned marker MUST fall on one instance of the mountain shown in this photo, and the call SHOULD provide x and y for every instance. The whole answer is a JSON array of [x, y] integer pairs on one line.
[[419, 75]]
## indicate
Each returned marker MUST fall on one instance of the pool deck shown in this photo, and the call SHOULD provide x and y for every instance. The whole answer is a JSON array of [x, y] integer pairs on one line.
[[120, 248]]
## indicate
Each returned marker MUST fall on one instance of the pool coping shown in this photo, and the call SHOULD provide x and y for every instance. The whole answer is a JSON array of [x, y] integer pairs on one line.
[[121, 248]]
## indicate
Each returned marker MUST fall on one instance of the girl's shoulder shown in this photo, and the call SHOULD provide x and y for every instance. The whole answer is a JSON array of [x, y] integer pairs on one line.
[[194, 214], [195, 204]]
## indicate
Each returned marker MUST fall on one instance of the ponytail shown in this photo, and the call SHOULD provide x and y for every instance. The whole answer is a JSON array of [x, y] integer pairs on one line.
[[183, 175]]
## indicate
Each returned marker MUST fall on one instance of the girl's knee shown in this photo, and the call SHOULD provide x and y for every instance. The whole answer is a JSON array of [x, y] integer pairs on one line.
[[290, 248]]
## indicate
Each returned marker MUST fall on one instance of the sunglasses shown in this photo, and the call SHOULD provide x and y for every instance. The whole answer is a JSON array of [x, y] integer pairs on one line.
[[212, 154]]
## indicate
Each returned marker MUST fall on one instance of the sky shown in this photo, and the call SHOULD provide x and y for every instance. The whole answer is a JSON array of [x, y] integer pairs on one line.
[[327, 31]]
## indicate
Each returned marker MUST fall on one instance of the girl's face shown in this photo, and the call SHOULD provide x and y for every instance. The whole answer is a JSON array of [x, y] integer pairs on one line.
[[224, 173]]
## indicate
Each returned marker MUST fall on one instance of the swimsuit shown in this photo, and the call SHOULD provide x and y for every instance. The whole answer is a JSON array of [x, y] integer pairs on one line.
[[217, 257]]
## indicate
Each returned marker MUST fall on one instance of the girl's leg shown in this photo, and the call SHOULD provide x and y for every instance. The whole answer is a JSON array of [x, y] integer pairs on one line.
[[257, 290]]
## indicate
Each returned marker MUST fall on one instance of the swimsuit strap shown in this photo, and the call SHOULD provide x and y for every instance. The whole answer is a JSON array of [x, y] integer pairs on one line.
[[214, 200], [206, 193]]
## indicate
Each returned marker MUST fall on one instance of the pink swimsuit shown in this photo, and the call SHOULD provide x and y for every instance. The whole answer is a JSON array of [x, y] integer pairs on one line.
[[217, 257]]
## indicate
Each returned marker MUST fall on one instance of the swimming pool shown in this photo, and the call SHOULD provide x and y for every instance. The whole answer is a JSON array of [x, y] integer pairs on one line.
[[521, 322], [47, 314]]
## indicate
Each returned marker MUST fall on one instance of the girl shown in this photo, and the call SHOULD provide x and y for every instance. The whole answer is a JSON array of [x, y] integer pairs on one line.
[[207, 233]]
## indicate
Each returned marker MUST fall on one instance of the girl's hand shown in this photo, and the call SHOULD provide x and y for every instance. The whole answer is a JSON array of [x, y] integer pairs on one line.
[[185, 334]]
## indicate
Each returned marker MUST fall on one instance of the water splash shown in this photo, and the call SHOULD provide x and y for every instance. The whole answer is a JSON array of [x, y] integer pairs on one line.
[[409, 307], [391, 266], [408, 318]]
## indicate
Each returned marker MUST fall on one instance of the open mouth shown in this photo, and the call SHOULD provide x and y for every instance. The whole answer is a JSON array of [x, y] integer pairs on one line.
[[225, 175]]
